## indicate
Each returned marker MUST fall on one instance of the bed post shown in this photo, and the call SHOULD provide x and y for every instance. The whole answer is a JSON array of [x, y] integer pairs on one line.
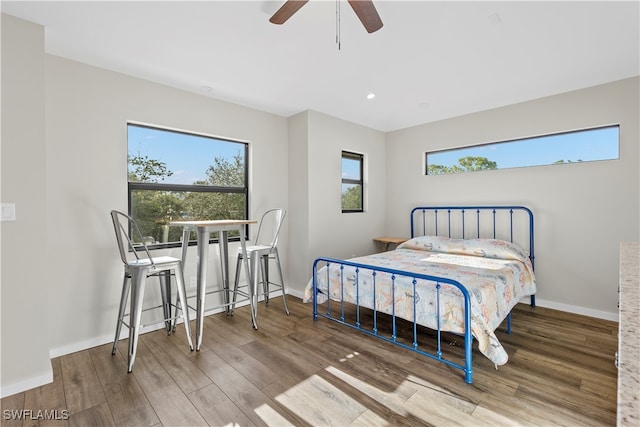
[[531, 253]]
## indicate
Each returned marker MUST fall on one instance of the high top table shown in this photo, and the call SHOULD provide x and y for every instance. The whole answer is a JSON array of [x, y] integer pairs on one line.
[[203, 230]]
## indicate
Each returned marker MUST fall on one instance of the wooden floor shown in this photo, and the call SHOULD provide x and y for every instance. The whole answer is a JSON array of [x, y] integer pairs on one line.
[[294, 371]]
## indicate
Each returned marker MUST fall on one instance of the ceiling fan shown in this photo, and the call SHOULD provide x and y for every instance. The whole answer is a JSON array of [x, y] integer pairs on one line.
[[364, 9]]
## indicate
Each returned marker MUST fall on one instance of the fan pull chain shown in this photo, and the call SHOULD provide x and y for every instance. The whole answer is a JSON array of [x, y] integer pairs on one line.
[[338, 23]]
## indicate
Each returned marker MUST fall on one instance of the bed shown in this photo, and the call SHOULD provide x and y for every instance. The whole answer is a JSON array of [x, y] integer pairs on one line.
[[460, 274]]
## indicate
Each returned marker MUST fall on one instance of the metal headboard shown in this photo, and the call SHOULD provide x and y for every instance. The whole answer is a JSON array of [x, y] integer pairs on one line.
[[510, 223]]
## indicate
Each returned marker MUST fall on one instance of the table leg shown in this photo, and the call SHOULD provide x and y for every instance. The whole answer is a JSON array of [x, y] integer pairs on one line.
[[185, 245], [250, 279], [203, 252], [224, 268]]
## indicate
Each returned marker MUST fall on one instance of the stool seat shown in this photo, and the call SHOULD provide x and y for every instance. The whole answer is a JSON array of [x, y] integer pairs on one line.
[[155, 263]]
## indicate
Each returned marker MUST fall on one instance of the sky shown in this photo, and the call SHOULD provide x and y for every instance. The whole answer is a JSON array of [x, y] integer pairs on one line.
[[187, 156], [586, 145], [350, 168]]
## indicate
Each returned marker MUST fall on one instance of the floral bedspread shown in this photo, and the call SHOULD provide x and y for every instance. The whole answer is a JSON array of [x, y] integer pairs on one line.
[[497, 274]]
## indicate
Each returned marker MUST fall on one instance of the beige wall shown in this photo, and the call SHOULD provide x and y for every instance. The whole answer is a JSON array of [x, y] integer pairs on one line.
[[24, 290], [87, 112], [316, 144], [299, 202], [332, 233], [64, 165], [582, 210]]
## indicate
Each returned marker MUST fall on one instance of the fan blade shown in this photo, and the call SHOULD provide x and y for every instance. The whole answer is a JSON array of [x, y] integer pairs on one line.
[[286, 11], [367, 13]]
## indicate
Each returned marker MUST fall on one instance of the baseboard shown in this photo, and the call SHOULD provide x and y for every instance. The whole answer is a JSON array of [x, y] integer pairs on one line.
[[542, 303], [27, 384], [30, 383], [97, 341], [105, 339], [296, 293], [576, 309]]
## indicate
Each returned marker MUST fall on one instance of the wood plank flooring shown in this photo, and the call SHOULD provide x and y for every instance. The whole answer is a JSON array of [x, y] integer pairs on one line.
[[293, 371]]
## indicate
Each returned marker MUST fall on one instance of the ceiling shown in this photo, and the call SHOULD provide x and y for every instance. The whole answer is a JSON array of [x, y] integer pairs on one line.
[[430, 61]]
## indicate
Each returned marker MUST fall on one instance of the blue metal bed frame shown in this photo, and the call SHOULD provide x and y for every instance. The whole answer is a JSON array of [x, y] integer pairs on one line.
[[450, 221]]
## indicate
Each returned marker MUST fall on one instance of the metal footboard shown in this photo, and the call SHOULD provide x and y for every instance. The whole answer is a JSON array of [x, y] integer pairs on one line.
[[340, 306]]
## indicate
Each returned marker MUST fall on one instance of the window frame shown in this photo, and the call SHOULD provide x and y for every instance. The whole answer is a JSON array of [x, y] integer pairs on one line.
[[542, 137], [156, 186], [360, 158]]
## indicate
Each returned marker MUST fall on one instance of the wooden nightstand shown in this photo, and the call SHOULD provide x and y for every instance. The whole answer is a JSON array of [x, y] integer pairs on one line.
[[383, 243]]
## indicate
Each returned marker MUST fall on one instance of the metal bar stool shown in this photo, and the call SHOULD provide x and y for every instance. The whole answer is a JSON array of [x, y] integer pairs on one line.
[[265, 249], [136, 271]]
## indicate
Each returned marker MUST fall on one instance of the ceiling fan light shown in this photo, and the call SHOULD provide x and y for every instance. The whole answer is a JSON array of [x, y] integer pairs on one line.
[[371, 95]]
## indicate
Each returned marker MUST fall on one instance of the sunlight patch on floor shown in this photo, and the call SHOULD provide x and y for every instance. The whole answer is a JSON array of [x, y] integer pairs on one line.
[[320, 403], [271, 417], [426, 401], [395, 401], [349, 356]]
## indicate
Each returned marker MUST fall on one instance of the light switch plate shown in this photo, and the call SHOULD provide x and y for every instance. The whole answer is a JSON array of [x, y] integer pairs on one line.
[[8, 211]]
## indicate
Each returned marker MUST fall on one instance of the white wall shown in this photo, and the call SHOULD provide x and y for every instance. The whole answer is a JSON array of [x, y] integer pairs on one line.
[[582, 210], [24, 350], [87, 112], [299, 196], [64, 164], [329, 232]]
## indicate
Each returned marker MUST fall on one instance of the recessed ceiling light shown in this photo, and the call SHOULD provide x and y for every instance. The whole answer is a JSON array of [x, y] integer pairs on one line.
[[371, 95]]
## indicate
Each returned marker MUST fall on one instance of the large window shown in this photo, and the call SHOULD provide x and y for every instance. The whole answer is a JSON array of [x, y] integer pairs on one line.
[[588, 145], [183, 176], [352, 182]]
